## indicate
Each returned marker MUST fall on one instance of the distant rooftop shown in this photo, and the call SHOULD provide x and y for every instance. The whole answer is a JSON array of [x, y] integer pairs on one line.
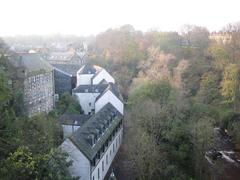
[[90, 137], [60, 56]]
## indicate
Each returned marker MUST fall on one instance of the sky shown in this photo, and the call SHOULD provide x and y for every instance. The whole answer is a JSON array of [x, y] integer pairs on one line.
[[90, 17]]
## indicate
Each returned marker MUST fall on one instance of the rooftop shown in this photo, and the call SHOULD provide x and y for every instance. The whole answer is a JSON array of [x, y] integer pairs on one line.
[[89, 69], [90, 137], [68, 68], [60, 56], [94, 88], [74, 119], [114, 89], [32, 63]]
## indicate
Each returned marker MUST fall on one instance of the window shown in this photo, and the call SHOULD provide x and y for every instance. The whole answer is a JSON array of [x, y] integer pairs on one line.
[[89, 104], [113, 147], [93, 178], [86, 90], [110, 152], [107, 159], [98, 174], [96, 90], [103, 165]]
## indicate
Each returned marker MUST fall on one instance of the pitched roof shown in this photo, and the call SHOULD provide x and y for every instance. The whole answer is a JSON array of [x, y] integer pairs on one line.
[[74, 119], [89, 69], [33, 63], [96, 73], [68, 68], [60, 56], [103, 82], [94, 88], [114, 89], [100, 126]]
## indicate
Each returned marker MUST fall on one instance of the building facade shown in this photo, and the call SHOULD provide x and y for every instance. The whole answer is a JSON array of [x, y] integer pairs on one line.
[[33, 77], [65, 77], [93, 147], [87, 95]]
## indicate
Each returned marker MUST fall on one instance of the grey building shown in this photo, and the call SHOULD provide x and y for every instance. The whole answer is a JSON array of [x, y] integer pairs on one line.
[[63, 82], [65, 77], [32, 76]]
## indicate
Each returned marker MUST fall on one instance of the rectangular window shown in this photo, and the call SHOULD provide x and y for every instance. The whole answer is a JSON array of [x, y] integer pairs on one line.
[[113, 147], [98, 174], [90, 104], [93, 178], [103, 165], [107, 159]]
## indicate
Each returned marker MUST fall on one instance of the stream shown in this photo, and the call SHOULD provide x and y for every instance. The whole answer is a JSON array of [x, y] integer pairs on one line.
[[223, 159]]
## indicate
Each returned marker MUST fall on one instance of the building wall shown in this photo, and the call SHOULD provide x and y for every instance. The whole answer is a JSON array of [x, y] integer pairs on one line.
[[83, 79], [109, 97], [68, 130], [38, 94], [108, 157], [63, 82], [81, 165], [103, 74], [87, 101]]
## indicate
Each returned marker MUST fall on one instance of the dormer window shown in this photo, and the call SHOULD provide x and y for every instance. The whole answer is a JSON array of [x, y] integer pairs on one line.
[[91, 139]]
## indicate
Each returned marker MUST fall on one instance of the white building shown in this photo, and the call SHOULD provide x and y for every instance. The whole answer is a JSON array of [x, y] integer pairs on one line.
[[93, 97], [102, 76], [93, 147], [92, 74], [87, 95], [110, 95]]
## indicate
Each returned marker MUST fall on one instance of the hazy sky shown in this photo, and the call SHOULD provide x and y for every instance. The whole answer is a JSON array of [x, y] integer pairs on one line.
[[86, 17]]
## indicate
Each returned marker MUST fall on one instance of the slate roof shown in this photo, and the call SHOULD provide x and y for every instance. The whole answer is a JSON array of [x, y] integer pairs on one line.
[[68, 68], [114, 89], [105, 121], [74, 119], [60, 56], [94, 88], [89, 69], [32, 63], [103, 82], [97, 72]]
